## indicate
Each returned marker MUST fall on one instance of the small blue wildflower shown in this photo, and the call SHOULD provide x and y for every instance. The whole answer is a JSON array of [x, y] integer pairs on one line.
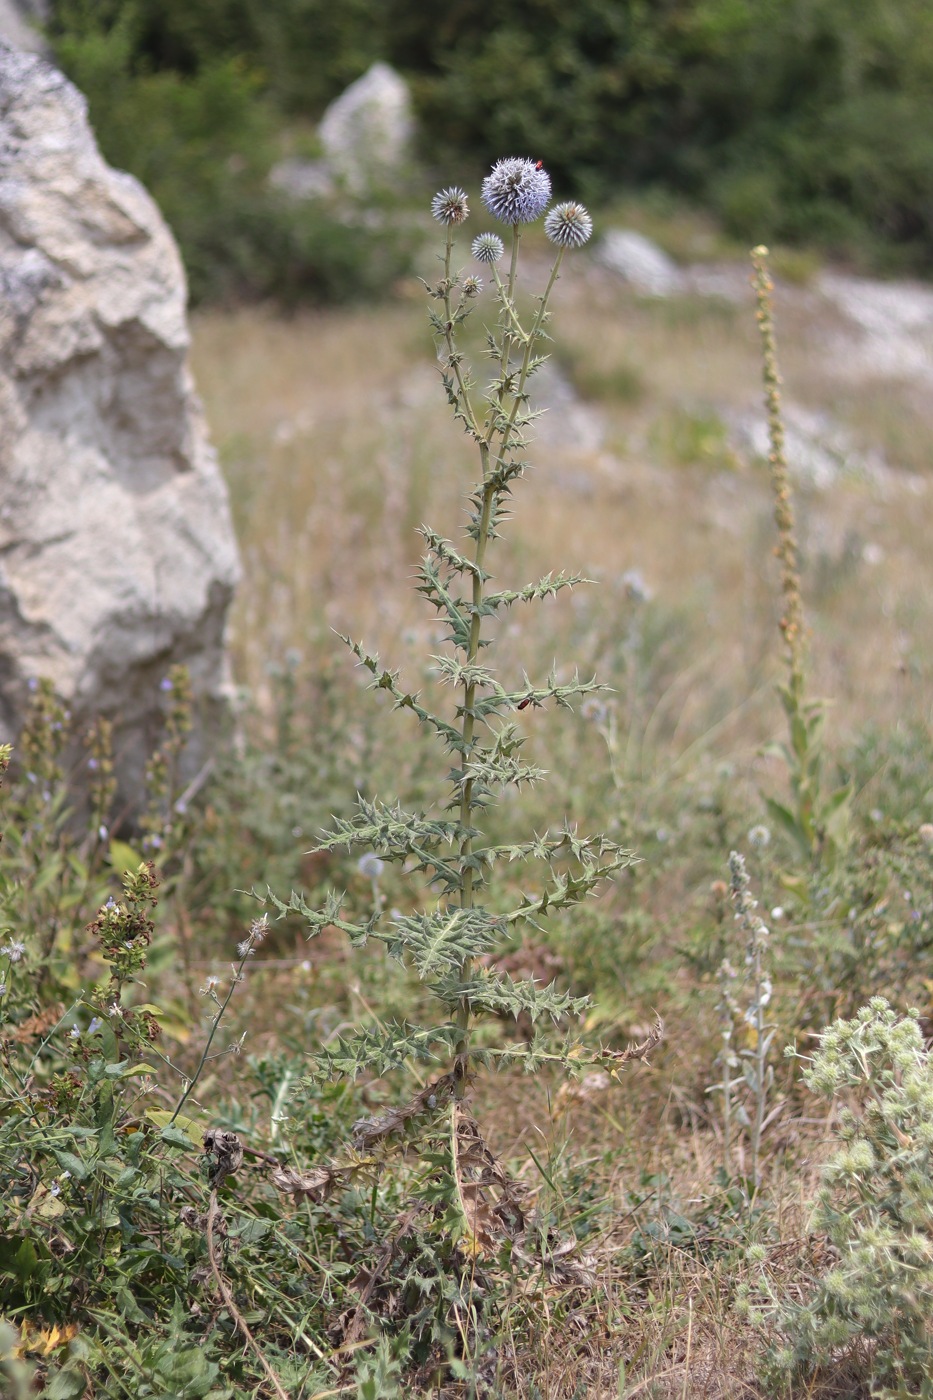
[[487, 248], [450, 206], [166, 683], [33, 683], [14, 951], [93, 764], [569, 225], [75, 1033], [370, 865], [517, 190], [95, 1025], [111, 903], [102, 832], [635, 586], [55, 1189]]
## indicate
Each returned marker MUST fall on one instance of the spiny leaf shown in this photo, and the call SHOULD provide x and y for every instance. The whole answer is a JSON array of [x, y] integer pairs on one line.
[[442, 940], [379, 1049]]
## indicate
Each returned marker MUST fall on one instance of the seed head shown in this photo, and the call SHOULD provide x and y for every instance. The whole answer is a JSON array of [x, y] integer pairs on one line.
[[568, 225], [472, 286], [487, 248], [517, 191], [450, 206]]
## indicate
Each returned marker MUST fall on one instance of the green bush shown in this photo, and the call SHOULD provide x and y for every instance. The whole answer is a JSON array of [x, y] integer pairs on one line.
[[202, 138], [793, 119], [873, 1303]]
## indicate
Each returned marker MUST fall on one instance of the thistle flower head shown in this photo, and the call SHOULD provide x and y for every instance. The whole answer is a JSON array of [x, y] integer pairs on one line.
[[517, 190], [568, 225], [487, 248], [450, 206], [370, 865], [472, 286]]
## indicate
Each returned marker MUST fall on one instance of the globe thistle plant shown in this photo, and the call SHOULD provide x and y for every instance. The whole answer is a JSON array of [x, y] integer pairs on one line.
[[451, 939]]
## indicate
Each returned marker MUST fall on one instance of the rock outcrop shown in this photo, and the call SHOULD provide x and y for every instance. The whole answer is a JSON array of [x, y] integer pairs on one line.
[[117, 555], [637, 260], [20, 22], [366, 133]]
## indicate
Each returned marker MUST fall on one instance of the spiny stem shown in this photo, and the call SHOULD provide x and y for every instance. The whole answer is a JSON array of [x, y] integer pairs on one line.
[[490, 491], [453, 357]]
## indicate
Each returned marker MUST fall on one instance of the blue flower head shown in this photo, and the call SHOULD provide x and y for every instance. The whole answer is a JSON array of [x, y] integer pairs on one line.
[[568, 225], [517, 190], [450, 206], [487, 248]]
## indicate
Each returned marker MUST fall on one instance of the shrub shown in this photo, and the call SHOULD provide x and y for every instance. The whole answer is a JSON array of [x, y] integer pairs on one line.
[[202, 139], [876, 1205]]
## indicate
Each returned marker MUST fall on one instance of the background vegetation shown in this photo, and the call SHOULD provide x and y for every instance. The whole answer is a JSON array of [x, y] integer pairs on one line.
[[672, 1247], [195, 1194], [799, 120]]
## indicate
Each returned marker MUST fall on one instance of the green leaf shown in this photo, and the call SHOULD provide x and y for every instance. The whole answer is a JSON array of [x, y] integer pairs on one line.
[[69, 1162], [162, 1118], [123, 858], [176, 1138], [67, 1384], [442, 940], [786, 819]]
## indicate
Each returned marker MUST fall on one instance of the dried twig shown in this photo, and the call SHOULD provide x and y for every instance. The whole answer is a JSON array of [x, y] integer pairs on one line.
[[214, 1217]]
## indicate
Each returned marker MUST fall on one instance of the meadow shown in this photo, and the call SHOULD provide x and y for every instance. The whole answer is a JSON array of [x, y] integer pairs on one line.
[[617, 1227]]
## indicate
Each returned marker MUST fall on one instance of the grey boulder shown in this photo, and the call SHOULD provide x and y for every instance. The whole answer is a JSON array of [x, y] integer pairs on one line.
[[117, 554]]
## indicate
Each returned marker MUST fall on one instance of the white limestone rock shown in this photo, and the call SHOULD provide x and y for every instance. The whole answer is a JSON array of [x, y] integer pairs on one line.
[[20, 22], [117, 555], [639, 261], [366, 133]]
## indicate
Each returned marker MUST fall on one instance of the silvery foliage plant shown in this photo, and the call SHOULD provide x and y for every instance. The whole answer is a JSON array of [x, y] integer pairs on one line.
[[870, 1313], [451, 939]]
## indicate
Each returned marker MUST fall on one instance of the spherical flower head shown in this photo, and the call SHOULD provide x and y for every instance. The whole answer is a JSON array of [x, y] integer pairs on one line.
[[450, 206], [517, 191], [569, 225], [488, 248]]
